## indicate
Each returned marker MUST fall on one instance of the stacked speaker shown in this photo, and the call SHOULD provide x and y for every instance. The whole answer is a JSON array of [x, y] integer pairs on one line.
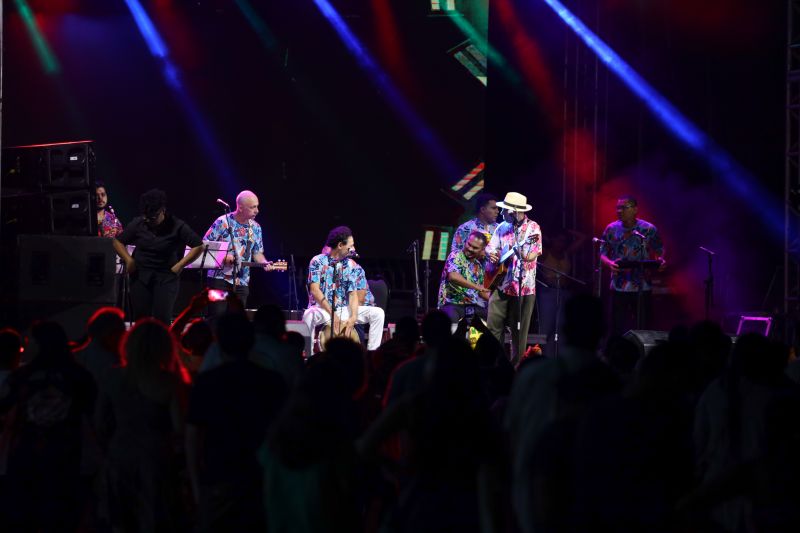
[[63, 270], [49, 190]]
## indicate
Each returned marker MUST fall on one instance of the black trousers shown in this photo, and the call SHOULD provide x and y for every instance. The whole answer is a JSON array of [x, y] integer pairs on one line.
[[624, 309], [153, 294], [456, 312]]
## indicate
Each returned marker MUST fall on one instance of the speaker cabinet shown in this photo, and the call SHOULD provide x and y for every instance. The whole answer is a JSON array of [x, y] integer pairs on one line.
[[646, 339]]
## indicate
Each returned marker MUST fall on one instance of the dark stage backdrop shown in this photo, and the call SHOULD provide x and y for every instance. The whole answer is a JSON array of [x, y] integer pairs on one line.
[[573, 136]]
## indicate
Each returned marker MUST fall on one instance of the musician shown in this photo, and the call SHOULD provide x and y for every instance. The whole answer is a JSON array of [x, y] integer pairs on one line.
[[108, 225], [248, 245], [333, 285], [485, 221], [504, 302], [630, 238], [461, 286], [160, 239]]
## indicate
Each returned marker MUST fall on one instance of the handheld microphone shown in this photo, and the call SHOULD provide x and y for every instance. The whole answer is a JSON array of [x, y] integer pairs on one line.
[[352, 253], [638, 234], [223, 203], [596, 239]]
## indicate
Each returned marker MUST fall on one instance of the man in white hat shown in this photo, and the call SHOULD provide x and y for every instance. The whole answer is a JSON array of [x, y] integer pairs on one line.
[[520, 232]]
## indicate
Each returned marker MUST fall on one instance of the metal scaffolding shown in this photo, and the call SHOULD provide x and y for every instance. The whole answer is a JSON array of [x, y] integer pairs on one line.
[[791, 258]]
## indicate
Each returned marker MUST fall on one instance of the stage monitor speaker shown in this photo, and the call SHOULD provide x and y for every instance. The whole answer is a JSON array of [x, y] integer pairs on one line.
[[646, 339], [66, 269], [300, 327]]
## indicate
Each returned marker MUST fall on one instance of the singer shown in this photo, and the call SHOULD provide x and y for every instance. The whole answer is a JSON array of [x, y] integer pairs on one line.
[[334, 282], [512, 303], [108, 225], [247, 244], [630, 239]]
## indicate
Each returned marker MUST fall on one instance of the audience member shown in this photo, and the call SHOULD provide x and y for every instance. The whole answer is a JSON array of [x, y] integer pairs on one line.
[[105, 329], [271, 350], [139, 421], [48, 403], [230, 410]]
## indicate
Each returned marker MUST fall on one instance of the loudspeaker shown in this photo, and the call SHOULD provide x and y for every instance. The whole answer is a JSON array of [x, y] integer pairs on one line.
[[65, 279], [51, 213], [66, 269], [49, 166], [646, 339]]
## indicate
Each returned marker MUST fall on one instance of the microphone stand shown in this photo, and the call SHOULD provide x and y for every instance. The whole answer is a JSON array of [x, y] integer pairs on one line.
[[233, 248], [413, 248], [294, 296], [559, 274], [709, 282]]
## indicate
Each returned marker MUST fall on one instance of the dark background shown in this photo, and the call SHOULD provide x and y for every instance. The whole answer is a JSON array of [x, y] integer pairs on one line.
[[290, 114]]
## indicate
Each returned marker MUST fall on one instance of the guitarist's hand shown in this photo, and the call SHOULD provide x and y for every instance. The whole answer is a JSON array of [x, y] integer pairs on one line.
[[612, 265], [268, 266]]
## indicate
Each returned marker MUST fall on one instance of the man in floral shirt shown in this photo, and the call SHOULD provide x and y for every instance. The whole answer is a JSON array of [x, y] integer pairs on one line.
[[108, 225], [504, 302], [485, 221], [248, 245], [630, 238], [333, 284], [462, 280]]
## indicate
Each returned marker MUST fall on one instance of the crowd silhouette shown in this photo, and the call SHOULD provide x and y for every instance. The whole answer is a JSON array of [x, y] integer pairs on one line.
[[230, 426]]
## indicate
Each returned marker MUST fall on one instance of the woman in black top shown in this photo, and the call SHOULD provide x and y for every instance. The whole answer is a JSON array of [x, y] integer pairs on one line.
[[160, 240]]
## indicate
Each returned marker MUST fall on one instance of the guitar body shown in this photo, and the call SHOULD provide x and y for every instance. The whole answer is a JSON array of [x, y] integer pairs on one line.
[[494, 276]]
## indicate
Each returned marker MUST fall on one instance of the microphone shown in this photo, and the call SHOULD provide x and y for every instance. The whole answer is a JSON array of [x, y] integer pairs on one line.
[[108, 206], [223, 203], [638, 234], [352, 253], [595, 239], [412, 246]]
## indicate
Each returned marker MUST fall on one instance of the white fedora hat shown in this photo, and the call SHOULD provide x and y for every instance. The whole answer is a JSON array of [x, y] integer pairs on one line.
[[515, 201]]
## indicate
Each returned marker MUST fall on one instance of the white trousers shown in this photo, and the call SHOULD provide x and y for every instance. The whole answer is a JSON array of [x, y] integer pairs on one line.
[[315, 316]]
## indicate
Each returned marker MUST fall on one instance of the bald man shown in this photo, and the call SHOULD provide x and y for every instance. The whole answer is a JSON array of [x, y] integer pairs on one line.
[[248, 246]]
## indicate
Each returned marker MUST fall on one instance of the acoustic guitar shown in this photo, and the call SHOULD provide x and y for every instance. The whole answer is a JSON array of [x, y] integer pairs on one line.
[[494, 277], [274, 266]]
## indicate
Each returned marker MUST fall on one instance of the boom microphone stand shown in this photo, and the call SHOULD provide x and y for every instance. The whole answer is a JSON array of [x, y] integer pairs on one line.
[[413, 249]]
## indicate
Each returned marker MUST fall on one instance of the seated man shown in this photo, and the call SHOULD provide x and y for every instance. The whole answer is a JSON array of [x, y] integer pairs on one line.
[[462, 280], [333, 285]]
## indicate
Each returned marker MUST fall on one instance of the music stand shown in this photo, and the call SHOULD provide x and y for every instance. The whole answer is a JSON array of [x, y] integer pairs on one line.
[[212, 258], [640, 266]]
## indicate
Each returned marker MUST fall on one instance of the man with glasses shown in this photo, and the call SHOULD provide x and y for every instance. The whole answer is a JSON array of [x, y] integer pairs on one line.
[[160, 239], [636, 242]]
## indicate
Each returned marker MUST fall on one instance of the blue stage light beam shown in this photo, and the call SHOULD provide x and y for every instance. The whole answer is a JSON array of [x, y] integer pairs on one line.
[[172, 76], [405, 112], [739, 179]]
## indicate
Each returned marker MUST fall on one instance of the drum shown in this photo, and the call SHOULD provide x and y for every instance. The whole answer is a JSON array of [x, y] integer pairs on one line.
[[324, 336]]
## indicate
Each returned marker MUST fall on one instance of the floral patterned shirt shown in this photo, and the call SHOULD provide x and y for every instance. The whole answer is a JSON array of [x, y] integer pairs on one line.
[[248, 240], [369, 299], [110, 226], [472, 270], [321, 271], [463, 231], [621, 243], [503, 240]]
